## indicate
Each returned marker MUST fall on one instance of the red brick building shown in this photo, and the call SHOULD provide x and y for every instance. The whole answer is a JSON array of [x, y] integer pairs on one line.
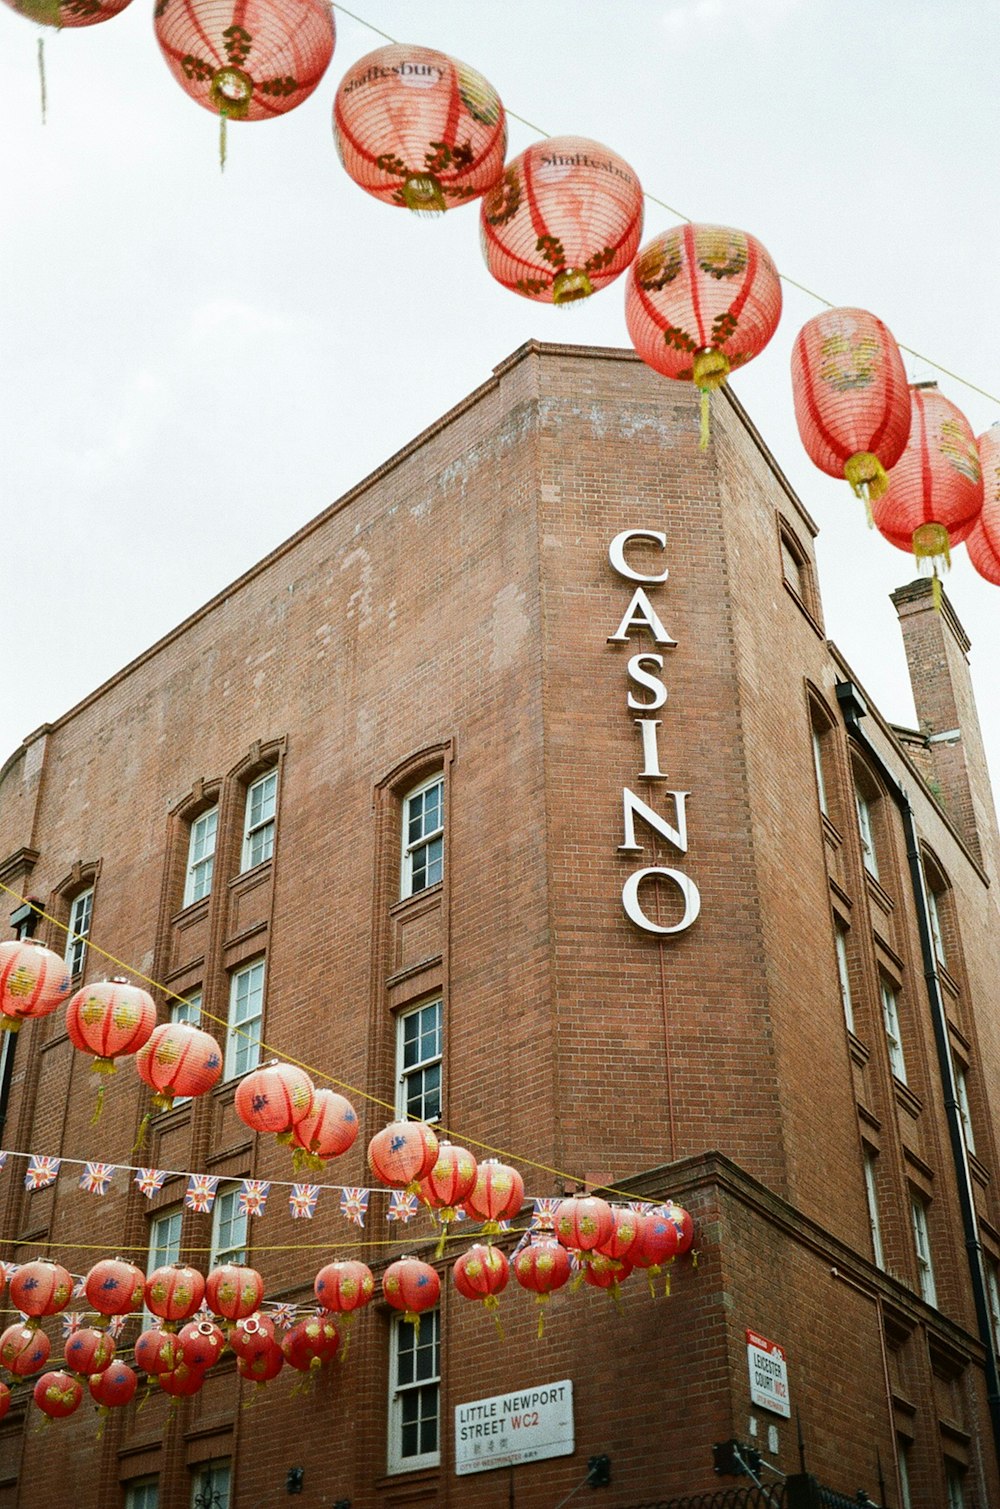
[[522, 787]]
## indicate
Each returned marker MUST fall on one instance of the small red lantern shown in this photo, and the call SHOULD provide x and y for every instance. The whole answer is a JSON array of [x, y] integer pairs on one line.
[[115, 1387], [343, 1287], [252, 1337], [60, 13], [233, 1291], [583, 1224], [58, 1394], [543, 1266], [310, 1343], [983, 542], [264, 1366], [23, 1350], [481, 1272], [655, 1245], [418, 129], [33, 982], [329, 1130], [603, 1272], [563, 221], [157, 1351], [496, 1196], [182, 1380], [5, 1397], [179, 1059], [88, 1350], [174, 1292], [114, 1287], [402, 1154], [41, 1288], [274, 1098], [701, 301], [624, 1233], [200, 1343], [411, 1286], [452, 1178], [852, 404], [109, 1019], [684, 1222]]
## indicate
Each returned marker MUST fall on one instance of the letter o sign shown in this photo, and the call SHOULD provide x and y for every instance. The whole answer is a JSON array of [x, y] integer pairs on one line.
[[689, 894]]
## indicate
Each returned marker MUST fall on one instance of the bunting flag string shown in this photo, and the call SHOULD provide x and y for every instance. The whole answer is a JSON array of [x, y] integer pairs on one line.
[[200, 1194], [354, 1205], [253, 1196], [71, 1321], [302, 1201], [402, 1206], [42, 1171], [150, 1180], [96, 1178]]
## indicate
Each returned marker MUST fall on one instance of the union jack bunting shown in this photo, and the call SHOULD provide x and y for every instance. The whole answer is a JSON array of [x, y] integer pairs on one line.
[[116, 1326], [201, 1192], [283, 1315], [42, 1171], [402, 1207], [522, 1243], [7, 1271], [71, 1320], [354, 1204], [3, 1159], [543, 1216], [253, 1196], [643, 1206], [302, 1201], [96, 1178], [79, 1289], [150, 1180], [201, 1315]]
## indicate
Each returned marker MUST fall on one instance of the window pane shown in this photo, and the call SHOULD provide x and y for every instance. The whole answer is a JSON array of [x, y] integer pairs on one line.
[[246, 1006], [79, 931], [423, 843]]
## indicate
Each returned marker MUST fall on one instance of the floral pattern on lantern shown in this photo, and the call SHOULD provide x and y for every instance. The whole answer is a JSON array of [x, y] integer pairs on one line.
[[655, 1245], [543, 1266], [182, 1380], [41, 1288], [983, 542], [310, 1343], [88, 1350], [496, 1196], [624, 1234], [329, 1130], [402, 1154], [411, 1286], [58, 1394], [200, 1343], [263, 1365], [274, 1098], [583, 1224], [109, 1019], [156, 1350], [481, 1273], [564, 220], [114, 1387], [252, 1337], [23, 1349], [114, 1287], [234, 1291], [444, 1189], [345, 1286], [179, 1059], [419, 129], [33, 982], [174, 1292]]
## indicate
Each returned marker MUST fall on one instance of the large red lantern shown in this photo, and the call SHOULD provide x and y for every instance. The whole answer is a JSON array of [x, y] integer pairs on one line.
[[496, 1196], [655, 1245], [60, 13], [329, 1130], [624, 1234], [179, 1059], [109, 1019], [263, 1365], [983, 542], [452, 1178], [88, 1350], [252, 1337], [701, 301], [310, 1343], [583, 1224], [402, 1154], [603, 1272], [114, 1387], [418, 129], [543, 1266], [33, 982], [411, 1286], [343, 1287], [481, 1273], [563, 221], [58, 1394], [157, 1350], [274, 1098], [684, 1222], [182, 1380], [234, 1291], [200, 1343], [935, 491], [23, 1350], [174, 1292], [852, 404], [115, 1287], [41, 1288], [246, 59]]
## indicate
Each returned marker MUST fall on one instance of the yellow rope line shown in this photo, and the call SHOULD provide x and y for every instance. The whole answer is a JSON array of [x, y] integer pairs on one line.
[[418, 1240]]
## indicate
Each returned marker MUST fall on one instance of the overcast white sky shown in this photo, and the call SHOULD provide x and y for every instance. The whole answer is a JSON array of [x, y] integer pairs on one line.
[[194, 365]]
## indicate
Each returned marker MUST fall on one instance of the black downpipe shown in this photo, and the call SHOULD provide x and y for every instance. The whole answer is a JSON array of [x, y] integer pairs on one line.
[[853, 707]]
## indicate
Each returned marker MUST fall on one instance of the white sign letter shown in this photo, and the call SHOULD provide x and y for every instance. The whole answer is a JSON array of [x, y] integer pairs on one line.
[[650, 753], [635, 807], [646, 678], [616, 554], [640, 614], [635, 913]]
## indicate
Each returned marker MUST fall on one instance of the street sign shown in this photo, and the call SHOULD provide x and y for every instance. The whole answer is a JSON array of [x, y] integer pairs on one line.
[[768, 1375], [507, 1429]]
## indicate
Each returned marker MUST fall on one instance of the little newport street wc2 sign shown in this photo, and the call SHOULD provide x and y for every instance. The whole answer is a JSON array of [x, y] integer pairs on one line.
[[511, 1428]]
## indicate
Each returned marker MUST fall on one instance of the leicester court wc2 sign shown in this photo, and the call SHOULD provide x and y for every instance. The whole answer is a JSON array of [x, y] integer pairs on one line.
[[512, 1428]]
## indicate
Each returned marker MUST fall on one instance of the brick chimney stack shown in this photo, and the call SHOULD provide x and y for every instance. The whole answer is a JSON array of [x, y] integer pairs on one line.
[[937, 649]]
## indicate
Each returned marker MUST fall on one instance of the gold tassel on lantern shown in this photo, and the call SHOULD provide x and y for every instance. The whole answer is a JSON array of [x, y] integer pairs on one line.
[[931, 542], [869, 479], [710, 370]]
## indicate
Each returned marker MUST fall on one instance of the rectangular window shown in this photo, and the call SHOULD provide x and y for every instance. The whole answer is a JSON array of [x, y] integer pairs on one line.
[[418, 1062], [962, 1096], [903, 1456], [79, 931], [258, 826], [871, 1194], [993, 1298], [934, 917], [143, 1494], [955, 1477], [246, 1010], [164, 1240], [818, 763], [864, 811], [186, 1011], [890, 1016], [843, 975], [229, 1228], [210, 1486], [423, 837], [921, 1242], [201, 856], [414, 1393]]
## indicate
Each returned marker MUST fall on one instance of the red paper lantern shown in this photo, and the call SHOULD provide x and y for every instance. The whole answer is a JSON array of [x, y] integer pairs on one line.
[[411, 1286], [60, 13], [852, 404], [5, 1397], [179, 1059], [481, 1272], [701, 301], [656, 1242], [252, 1337], [935, 491], [983, 542], [200, 1343], [41, 1288], [496, 1196], [233, 1291], [274, 1098], [115, 1287], [563, 221], [264, 1366], [33, 982], [88, 1350], [402, 1154], [182, 1380], [452, 1178], [174, 1292], [310, 1343], [23, 1350], [114, 1387], [684, 1222], [624, 1234], [583, 1224], [418, 129], [329, 1130], [157, 1351], [343, 1287], [109, 1019], [58, 1394], [603, 1272], [543, 1266]]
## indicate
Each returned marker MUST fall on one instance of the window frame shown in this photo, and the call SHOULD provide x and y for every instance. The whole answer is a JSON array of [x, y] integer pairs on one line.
[[903, 1458], [866, 829], [840, 931], [920, 1227], [407, 1072], [76, 946], [242, 1044], [197, 863], [991, 1270], [871, 1196], [161, 1253], [817, 749], [264, 825], [137, 1493], [209, 1471], [961, 1074], [227, 1200], [889, 996], [396, 1461], [426, 840]]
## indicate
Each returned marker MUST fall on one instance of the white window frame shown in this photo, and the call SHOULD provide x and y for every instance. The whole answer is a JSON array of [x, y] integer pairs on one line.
[[890, 1019], [954, 1477], [903, 1458], [211, 1483], [843, 972], [871, 1195], [258, 827], [964, 1110], [428, 1016], [992, 1271], [143, 1493], [422, 851], [230, 1228], [922, 1247], [817, 744], [201, 856], [934, 917], [243, 1047], [402, 1333], [81, 912], [863, 807], [164, 1247]]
